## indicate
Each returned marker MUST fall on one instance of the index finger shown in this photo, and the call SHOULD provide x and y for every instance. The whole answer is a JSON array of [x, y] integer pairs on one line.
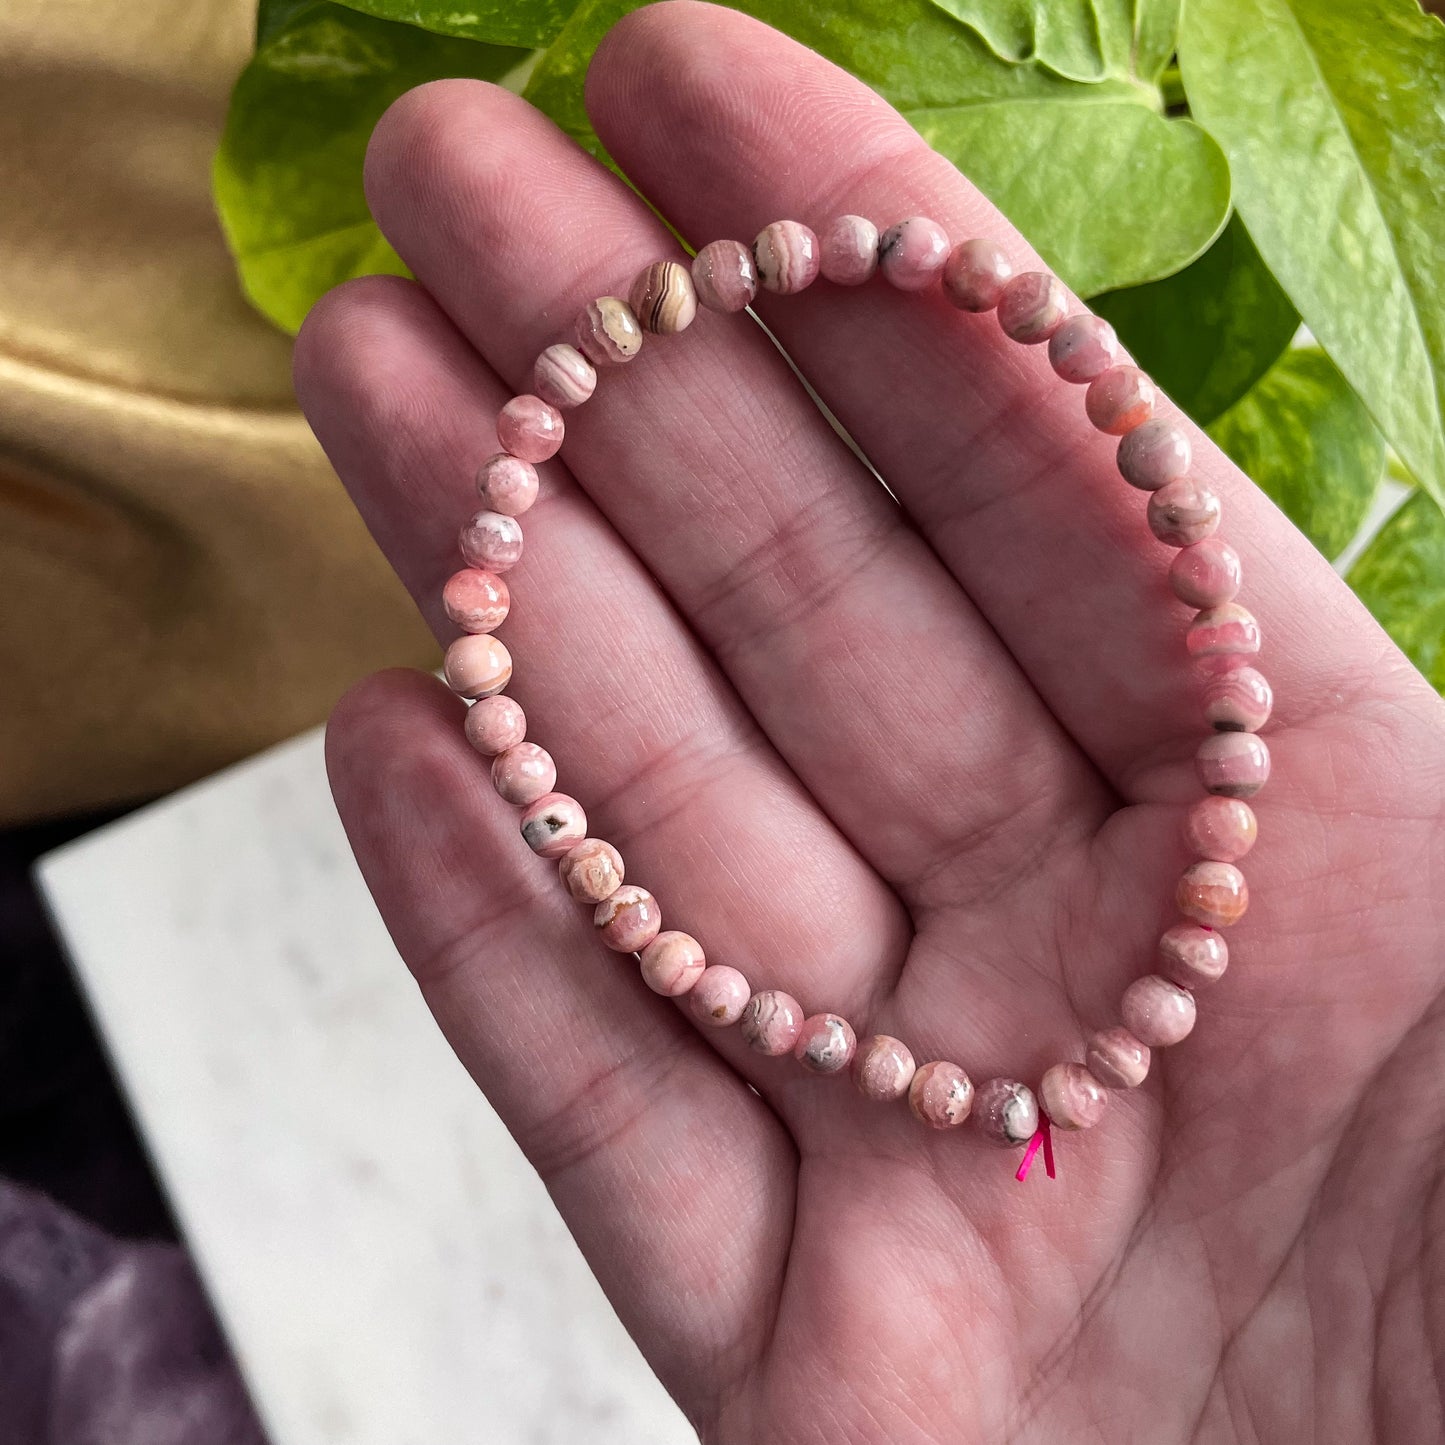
[[988, 450]]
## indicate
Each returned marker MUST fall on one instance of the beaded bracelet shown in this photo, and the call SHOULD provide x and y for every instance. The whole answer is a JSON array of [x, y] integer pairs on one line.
[[1153, 455]]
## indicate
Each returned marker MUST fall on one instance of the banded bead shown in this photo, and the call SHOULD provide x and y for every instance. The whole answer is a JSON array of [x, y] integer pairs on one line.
[[1192, 955], [476, 600], [1117, 1059], [663, 298], [477, 665], [1233, 764], [1183, 512], [1214, 894], [563, 376], [1238, 701], [725, 276], [786, 255]]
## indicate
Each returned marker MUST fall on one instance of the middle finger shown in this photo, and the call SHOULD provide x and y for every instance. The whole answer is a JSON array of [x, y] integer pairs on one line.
[[844, 634]]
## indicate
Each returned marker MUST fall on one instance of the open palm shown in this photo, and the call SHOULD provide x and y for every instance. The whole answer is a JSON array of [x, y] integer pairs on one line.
[[924, 765]]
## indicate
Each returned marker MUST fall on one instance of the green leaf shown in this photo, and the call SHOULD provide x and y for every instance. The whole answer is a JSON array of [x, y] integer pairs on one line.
[[287, 177], [527, 23], [1332, 114], [1308, 441], [1400, 577], [1071, 176], [1080, 39], [1209, 332], [1110, 191]]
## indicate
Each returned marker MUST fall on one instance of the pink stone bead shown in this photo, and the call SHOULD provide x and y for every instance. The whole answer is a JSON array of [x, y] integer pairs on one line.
[[1212, 893], [1120, 399], [912, 253], [1117, 1059], [524, 773], [492, 542], [663, 298], [1006, 1112], [825, 1044], [1235, 765], [1032, 307], [528, 428], [629, 919], [477, 665], [883, 1068], [786, 254], [507, 484], [1221, 829], [1158, 1013], [1192, 956], [1083, 348], [591, 871], [772, 1022], [1226, 631], [672, 963], [719, 997], [607, 332], [495, 724], [476, 601], [1207, 574], [849, 250], [551, 825], [1154, 454], [563, 376], [1072, 1097], [975, 274], [724, 276], [1183, 512], [1238, 701], [940, 1094]]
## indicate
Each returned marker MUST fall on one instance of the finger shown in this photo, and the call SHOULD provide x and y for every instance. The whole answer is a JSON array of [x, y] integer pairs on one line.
[[776, 543], [675, 1179], [988, 450], [644, 731]]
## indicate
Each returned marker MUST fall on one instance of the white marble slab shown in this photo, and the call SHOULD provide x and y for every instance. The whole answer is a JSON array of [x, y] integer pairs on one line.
[[389, 1268]]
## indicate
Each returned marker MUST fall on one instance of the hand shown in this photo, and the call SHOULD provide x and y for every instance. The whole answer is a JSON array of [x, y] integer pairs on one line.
[[925, 766]]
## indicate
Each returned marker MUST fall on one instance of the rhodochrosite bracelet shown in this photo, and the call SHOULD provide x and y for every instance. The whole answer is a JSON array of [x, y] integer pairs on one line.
[[1154, 456]]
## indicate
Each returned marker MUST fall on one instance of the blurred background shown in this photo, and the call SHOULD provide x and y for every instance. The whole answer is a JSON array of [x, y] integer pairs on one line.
[[227, 1131]]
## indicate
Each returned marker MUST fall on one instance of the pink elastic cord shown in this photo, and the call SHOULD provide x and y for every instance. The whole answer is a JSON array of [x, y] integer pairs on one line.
[[1042, 1138]]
